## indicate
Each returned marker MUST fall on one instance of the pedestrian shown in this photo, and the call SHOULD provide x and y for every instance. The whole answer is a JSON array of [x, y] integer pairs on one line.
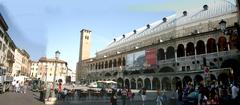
[[235, 91], [21, 87], [129, 96], [25, 87], [13, 85], [124, 95], [159, 99], [179, 93], [17, 85], [113, 100], [143, 94]]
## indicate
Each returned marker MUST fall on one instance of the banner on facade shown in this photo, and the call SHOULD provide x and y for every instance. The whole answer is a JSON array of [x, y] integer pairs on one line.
[[151, 58], [135, 61]]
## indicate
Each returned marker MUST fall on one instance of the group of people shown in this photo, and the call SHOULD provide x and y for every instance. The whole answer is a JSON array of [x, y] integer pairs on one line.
[[126, 95], [209, 94], [19, 87]]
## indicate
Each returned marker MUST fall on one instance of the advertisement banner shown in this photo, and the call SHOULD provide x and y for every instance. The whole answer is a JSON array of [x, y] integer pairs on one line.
[[151, 58], [135, 61]]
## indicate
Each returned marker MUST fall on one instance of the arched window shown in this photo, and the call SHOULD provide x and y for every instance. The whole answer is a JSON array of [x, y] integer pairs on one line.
[[106, 64], [180, 51], [200, 47], [190, 49], [160, 54], [110, 64], [222, 44], [170, 52], [119, 62], [211, 45], [114, 63]]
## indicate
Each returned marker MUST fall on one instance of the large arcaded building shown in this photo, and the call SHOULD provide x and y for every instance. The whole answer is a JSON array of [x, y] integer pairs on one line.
[[186, 47]]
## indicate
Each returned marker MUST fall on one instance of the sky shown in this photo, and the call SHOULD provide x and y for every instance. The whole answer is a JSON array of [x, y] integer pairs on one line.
[[42, 27]]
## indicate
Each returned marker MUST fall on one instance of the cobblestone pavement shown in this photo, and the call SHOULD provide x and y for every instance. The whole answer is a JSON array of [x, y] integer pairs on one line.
[[32, 98]]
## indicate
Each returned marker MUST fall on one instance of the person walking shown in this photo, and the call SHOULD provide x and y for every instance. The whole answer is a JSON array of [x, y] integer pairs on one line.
[[13, 85], [143, 94], [124, 95], [17, 86], [235, 91], [129, 96], [179, 92], [113, 99], [159, 99]]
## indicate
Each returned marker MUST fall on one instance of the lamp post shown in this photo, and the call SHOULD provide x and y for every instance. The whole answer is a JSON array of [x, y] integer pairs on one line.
[[57, 54]]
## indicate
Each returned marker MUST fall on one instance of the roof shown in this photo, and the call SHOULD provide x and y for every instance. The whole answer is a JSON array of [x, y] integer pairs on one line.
[[215, 9], [45, 59]]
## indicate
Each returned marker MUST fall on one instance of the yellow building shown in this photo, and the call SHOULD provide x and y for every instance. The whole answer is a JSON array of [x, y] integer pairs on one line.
[[21, 66], [45, 69], [7, 47]]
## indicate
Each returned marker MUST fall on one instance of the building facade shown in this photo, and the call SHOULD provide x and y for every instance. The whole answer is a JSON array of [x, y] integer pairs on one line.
[[45, 69], [21, 66], [7, 47], [186, 47]]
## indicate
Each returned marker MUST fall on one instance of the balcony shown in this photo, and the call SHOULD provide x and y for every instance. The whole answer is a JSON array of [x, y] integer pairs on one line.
[[107, 69]]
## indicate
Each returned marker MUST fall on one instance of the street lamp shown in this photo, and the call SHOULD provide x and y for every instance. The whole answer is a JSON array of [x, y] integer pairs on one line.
[[53, 97]]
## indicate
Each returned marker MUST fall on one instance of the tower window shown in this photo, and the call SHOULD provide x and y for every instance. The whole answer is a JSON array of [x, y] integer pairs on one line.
[[87, 37]]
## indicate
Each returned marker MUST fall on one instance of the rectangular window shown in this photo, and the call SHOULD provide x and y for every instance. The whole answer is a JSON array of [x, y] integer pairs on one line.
[[188, 68], [4, 47], [1, 34], [183, 68]]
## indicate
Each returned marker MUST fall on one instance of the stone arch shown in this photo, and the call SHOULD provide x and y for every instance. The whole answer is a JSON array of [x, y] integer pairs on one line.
[[222, 44], [233, 40], [211, 45], [127, 83], [190, 50], [166, 83], [166, 69], [139, 83], [176, 83], [133, 83], [110, 64], [147, 83], [120, 83], [200, 47], [160, 54], [170, 52], [119, 62], [106, 64], [102, 65], [198, 79], [186, 80], [234, 65], [180, 50], [115, 73], [114, 63], [107, 74], [123, 61], [155, 83], [223, 79]]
